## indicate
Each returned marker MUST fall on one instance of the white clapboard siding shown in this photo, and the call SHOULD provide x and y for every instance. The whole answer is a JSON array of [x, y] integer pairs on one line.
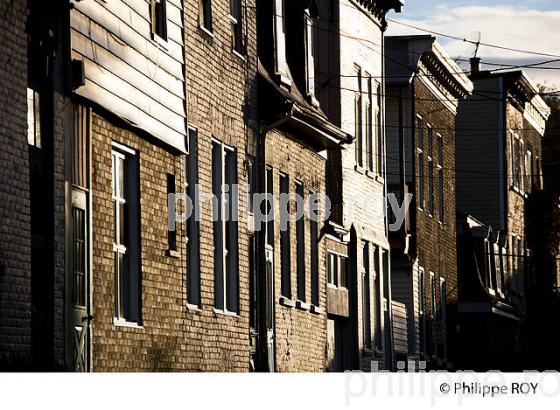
[[127, 72], [400, 331]]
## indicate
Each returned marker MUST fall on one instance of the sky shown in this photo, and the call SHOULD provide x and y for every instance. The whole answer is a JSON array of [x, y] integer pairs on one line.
[[532, 25]]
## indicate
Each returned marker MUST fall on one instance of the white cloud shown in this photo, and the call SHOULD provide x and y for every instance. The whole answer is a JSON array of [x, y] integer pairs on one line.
[[519, 28]]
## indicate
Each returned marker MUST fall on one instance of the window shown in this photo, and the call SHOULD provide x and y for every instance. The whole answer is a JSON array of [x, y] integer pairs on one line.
[[270, 221], [379, 134], [171, 233], [422, 311], [33, 118], [300, 243], [285, 247], [280, 40], [205, 16], [314, 250], [517, 165], [80, 256], [358, 122], [309, 57], [236, 17], [530, 172], [159, 18], [538, 176], [441, 211], [431, 169], [336, 269], [378, 300], [126, 242], [433, 313], [366, 306], [370, 151], [225, 215], [420, 149], [193, 229], [442, 353]]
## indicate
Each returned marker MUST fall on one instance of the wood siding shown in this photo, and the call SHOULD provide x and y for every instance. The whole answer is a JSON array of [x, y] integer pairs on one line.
[[128, 71]]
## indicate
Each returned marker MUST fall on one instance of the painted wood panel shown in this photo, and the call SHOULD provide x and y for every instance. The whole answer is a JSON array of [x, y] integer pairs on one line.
[[127, 71]]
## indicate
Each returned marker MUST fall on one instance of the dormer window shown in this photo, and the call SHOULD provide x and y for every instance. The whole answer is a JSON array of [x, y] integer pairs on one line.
[[309, 58], [159, 18]]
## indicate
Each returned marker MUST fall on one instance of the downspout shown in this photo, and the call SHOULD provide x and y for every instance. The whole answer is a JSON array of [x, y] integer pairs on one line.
[[260, 263]]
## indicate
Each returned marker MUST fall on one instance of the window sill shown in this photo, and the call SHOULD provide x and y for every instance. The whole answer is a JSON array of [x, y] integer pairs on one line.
[[359, 169], [173, 254], [301, 305], [239, 55], [123, 323], [316, 310], [193, 308], [160, 41], [370, 174], [340, 288], [286, 302], [380, 179], [206, 32], [226, 313]]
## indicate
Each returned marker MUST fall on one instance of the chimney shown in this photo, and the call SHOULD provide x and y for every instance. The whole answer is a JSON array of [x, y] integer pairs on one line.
[[475, 65]]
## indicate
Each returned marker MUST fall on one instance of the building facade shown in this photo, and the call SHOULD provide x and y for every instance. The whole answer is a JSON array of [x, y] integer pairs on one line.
[[499, 166], [424, 87]]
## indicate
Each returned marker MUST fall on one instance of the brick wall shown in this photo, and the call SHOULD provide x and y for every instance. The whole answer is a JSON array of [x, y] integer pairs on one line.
[[300, 334], [436, 242], [15, 232]]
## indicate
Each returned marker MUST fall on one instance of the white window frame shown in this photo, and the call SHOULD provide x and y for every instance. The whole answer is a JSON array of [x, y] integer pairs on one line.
[[33, 118], [339, 257], [421, 167]]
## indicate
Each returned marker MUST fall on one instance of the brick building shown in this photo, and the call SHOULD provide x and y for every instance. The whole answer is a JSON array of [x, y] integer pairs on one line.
[[499, 166], [15, 212], [424, 87], [350, 76]]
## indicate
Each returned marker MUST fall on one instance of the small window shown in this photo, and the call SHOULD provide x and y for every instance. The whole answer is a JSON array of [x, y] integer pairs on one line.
[[377, 277], [309, 57], [366, 306], [269, 207], [422, 310], [126, 242], [358, 121], [337, 270], [159, 18], [369, 123], [236, 17], [379, 134], [205, 17], [33, 118]]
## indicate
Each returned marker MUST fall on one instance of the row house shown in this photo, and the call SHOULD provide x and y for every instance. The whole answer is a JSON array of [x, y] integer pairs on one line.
[[424, 87], [351, 88], [498, 171], [129, 104]]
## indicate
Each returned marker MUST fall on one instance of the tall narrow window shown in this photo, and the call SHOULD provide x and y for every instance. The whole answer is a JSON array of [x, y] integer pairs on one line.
[[80, 256], [280, 40], [359, 121], [370, 147], [159, 18], [433, 313], [529, 171], [172, 230], [225, 215], [309, 57], [33, 118], [378, 300], [126, 242], [379, 134], [270, 223], [285, 246], [420, 148], [443, 312], [441, 211], [431, 169], [205, 14], [422, 311], [314, 251], [300, 243], [366, 307], [193, 230], [236, 17]]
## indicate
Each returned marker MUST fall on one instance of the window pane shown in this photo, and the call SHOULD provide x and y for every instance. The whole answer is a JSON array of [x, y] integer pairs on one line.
[[343, 267]]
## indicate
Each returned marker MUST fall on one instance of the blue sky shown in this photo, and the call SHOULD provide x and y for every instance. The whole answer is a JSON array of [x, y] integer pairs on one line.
[[529, 25]]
